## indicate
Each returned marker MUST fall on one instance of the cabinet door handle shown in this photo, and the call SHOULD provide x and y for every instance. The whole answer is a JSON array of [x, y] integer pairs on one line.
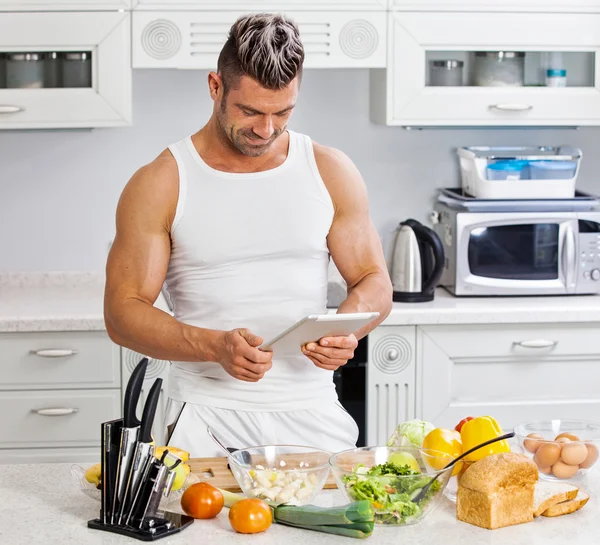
[[536, 343], [510, 107], [59, 411], [7, 109], [54, 352]]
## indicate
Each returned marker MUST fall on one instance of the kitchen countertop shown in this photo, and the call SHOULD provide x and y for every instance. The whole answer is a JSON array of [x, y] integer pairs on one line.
[[74, 302], [41, 505]]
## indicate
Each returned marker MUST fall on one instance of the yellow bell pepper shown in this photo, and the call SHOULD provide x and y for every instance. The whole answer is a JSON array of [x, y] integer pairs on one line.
[[479, 430], [446, 441]]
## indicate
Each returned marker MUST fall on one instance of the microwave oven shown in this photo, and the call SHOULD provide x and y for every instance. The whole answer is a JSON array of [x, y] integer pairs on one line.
[[519, 253]]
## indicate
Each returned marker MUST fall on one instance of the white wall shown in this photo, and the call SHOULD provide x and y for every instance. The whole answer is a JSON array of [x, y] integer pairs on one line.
[[59, 189]]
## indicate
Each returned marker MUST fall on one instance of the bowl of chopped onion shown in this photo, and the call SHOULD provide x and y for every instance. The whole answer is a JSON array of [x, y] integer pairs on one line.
[[281, 474]]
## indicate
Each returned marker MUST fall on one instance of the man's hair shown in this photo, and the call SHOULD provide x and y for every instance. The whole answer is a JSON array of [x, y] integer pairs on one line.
[[264, 46]]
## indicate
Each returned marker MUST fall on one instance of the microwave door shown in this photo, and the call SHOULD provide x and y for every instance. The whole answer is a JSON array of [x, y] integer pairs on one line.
[[517, 255]]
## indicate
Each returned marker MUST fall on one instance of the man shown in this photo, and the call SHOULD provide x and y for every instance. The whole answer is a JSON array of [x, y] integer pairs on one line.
[[238, 221]]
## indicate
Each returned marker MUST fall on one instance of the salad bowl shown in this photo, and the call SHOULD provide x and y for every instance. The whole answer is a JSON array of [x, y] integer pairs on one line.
[[391, 478]]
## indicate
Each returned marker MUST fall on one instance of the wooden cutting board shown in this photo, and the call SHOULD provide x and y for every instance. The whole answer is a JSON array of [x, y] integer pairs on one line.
[[215, 472]]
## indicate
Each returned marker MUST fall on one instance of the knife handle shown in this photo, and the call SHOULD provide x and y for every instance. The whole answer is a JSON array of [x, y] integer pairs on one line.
[[132, 394], [150, 411]]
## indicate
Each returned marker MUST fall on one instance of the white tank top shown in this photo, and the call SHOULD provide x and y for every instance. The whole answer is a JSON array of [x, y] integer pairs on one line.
[[249, 251]]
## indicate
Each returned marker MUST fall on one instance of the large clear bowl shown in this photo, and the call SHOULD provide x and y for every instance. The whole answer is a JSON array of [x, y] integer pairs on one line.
[[349, 465], [281, 474], [570, 458]]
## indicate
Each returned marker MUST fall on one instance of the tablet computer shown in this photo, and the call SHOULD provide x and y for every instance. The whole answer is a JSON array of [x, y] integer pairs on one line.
[[314, 327]]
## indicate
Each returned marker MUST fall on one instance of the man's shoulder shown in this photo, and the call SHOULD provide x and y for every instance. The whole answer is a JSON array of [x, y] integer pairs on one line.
[[330, 158], [154, 188]]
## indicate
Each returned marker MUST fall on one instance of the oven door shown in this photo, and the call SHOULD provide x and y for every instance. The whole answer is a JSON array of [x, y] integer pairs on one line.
[[516, 254]]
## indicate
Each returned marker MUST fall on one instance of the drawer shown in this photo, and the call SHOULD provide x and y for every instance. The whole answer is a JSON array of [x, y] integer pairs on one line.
[[81, 359], [60, 418], [515, 340]]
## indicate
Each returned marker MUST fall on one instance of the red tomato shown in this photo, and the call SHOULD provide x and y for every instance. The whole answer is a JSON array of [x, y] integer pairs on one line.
[[202, 501], [462, 422]]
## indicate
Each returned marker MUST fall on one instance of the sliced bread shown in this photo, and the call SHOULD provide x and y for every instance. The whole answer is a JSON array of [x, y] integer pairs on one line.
[[549, 493], [569, 506]]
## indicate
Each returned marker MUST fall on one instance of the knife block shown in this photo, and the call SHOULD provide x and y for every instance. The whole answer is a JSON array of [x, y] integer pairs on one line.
[[156, 525]]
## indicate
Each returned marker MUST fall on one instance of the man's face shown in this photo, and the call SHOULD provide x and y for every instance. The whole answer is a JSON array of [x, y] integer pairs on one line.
[[252, 117]]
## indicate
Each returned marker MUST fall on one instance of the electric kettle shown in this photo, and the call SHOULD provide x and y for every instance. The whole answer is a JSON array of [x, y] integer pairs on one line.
[[417, 263]]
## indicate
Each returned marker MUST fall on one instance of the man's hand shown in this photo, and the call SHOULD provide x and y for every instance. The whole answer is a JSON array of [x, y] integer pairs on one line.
[[241, 359], [331, 352]]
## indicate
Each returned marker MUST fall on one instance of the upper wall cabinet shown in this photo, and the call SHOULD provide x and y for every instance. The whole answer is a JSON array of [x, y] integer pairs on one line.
[[486, 69], [193, 39], [263, 5], [78, 77], [64, 5], [532, 6]]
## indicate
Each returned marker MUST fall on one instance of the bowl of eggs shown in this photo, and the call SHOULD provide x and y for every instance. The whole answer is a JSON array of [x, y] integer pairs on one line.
[[562, 449]]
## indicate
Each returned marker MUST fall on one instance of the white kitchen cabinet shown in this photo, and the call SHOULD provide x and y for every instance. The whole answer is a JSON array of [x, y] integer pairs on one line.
[[58, 360], [104, 100], [263, 5], [64, 5], [193, 39], [156, 369], [403, 94], [533, 6], [516, 373], [390, 380], [55, 390]]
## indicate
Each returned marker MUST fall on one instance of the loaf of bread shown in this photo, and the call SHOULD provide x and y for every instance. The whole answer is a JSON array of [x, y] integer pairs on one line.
[[497, 491]]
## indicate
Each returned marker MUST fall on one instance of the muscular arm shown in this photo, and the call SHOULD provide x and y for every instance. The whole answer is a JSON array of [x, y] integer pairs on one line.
[[356, 250], [136, 269], [135, 272], [353, 240]]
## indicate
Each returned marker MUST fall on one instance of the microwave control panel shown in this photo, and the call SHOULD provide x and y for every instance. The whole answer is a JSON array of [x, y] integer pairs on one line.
[[589, 247]]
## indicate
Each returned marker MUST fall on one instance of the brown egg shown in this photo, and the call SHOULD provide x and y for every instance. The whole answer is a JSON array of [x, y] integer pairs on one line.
[[591, 458], [545, 470], [530, 444], [567, 435], [564, 471], [573, 453], [563, 440], [547, 454]]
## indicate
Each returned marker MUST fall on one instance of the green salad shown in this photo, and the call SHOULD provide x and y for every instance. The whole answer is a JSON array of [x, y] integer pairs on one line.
[[390, 488]]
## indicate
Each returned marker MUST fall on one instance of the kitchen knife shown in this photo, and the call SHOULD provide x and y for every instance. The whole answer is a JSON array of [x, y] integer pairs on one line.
[[129, 434], [111, 436], [144, 450]]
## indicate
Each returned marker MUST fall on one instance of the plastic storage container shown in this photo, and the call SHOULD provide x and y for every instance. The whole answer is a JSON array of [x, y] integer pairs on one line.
[[552, 170], [474, 162], [24, 71], [2, 71], [499, 68], [52, 69], [77, 70], [446, 73], [507, 170]]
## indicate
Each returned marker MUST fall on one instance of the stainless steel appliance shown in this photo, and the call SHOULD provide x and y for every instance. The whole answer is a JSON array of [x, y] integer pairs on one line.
[[546, 249], [417, 263]]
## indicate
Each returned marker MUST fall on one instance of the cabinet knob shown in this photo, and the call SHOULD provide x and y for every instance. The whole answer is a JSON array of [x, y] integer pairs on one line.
[[392, 354], [59, 411], [54, 352]]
